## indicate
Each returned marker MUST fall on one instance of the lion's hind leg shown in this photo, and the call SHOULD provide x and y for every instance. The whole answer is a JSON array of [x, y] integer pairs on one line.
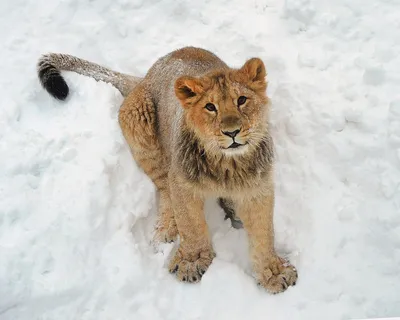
[[229, 208], [138, 121]]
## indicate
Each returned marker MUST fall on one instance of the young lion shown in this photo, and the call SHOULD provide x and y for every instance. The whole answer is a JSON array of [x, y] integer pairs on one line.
[[198, 129]]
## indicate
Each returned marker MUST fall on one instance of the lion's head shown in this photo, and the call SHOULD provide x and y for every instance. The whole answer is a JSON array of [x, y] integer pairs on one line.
[[226, 109]]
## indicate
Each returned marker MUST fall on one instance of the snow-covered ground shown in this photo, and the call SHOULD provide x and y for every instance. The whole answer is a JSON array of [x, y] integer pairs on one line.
[[76, 213]]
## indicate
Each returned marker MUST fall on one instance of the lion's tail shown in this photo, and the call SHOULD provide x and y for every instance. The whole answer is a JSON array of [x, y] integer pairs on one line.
[[50, 66]]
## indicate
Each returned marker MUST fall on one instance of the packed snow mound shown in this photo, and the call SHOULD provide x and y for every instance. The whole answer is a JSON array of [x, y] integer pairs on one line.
[[76, 212]]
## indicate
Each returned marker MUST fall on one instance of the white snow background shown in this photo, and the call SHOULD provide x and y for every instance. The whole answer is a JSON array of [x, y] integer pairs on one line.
[[76, 212]]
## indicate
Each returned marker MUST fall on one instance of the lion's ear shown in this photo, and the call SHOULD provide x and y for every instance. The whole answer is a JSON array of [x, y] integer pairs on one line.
[[255, 69], [186, 90], [253, 72]]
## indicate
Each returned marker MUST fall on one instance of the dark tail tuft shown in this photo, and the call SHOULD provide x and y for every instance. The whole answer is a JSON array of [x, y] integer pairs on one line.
[[52, 80]]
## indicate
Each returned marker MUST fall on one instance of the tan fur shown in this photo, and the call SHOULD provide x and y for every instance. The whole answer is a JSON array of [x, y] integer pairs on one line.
[[181, 146]]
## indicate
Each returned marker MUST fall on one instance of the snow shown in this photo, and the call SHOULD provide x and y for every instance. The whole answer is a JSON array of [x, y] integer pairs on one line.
[[76, 212]]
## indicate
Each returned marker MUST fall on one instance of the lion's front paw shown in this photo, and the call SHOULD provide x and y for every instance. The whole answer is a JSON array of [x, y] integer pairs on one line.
[[191, 267], [278, 276]]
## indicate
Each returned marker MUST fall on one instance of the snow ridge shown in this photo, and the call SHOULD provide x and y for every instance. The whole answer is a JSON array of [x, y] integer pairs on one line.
[[76, 213]]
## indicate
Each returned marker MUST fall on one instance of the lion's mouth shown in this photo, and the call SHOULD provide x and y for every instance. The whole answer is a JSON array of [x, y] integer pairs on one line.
[[235, 145]]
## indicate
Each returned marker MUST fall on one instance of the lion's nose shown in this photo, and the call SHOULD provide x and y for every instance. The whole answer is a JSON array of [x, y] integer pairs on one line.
[[231, 134]]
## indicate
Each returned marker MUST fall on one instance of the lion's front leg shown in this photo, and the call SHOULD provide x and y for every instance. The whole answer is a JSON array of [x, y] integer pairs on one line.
[[195, 252], [272, 272]]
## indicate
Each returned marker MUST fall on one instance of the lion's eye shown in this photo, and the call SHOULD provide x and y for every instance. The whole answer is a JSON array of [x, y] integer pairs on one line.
[[210, 107], [241, 100]]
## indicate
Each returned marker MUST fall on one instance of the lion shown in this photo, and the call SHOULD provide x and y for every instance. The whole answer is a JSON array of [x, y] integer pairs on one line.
[[198, 128]]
